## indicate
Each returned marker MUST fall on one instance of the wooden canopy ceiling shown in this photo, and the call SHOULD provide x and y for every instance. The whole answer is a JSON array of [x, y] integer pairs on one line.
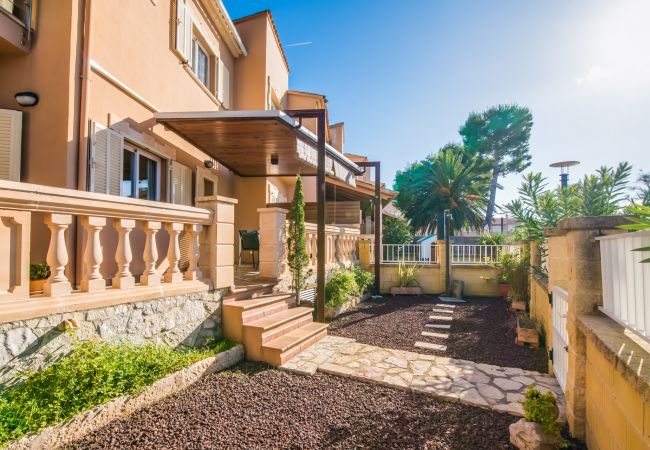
[[257, 143], [339, 191]]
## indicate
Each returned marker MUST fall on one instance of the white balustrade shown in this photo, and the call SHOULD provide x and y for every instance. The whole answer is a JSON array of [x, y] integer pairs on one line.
[[408, 254], [472, 254]]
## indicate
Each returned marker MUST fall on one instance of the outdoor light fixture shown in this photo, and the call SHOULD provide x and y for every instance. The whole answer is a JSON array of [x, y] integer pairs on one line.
[[274, 160], [209, 164], [26, 98]]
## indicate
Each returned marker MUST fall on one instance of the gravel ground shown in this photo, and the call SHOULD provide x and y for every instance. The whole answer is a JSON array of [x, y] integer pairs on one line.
[[483, 330], [255, 407]]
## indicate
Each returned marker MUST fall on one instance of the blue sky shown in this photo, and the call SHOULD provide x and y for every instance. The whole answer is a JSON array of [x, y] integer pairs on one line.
[[403, 76]]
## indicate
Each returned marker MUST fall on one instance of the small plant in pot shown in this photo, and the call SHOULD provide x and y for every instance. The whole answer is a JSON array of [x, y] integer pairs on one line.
[[518, 277], [38, 274], [527, 331], [504, 266], [407, 280], [539, 428]]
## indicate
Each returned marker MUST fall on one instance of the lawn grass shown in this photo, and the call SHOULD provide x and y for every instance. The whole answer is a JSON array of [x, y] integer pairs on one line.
[[91, 374]]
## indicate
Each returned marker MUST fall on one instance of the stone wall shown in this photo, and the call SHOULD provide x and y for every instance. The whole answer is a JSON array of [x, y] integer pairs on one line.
[[541, 310], [182, 320]]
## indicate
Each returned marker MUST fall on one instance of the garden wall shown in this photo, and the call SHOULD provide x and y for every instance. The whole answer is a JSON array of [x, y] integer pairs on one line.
[[429, 277], [476, 286], [181, 320], [540, 309], [432, 279]]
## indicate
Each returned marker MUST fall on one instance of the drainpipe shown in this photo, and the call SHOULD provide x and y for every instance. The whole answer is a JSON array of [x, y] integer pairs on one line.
[[82, 160]]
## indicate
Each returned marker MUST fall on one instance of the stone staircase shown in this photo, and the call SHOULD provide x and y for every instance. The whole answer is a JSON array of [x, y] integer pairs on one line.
[[269, 324]]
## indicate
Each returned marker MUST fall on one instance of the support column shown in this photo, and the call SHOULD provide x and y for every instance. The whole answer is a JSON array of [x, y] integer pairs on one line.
[[217, 241], [92, 280], [441, 249], [123, 279], [57, 256], [150, 277], [273, 234]]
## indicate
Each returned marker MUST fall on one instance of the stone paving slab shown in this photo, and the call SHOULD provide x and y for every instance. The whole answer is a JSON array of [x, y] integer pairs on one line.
[[445, 318], [443, 311], [451, 300], [437, 325], [443, 305], [435, 335], [430, 346], [458, 380]]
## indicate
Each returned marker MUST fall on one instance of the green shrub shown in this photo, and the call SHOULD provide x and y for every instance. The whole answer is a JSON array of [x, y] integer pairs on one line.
[[492, 239], [363, 278], [39, 271], [341, 287], [407, 275], [91, 374], [542, 409]]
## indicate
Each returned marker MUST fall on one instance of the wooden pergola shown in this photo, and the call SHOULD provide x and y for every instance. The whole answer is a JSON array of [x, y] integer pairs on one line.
[[274, 143]]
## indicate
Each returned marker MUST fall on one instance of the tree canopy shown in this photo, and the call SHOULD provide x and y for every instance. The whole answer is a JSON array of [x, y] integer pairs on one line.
[[395, 231], [450, 179], [499, 137]]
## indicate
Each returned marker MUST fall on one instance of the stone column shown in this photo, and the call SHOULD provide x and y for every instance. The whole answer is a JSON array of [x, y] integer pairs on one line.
[[273, 234], [57, 256], [365, 246], [217, 241], [574, 265]]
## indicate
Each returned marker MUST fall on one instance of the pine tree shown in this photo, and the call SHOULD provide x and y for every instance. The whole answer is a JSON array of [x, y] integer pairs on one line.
[[296, 252]]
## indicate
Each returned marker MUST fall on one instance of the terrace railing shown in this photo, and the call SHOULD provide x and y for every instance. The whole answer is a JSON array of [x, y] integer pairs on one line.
[[626, 280], [470, 254], [341, 244], [409, 254]]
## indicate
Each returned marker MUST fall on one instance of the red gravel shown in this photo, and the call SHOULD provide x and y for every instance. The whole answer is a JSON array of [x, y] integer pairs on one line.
[[255, 407], [483, 330]]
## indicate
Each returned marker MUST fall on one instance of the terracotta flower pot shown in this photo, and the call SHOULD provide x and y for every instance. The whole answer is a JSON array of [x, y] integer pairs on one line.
[[504, 289], [36, 285], [411, 290]]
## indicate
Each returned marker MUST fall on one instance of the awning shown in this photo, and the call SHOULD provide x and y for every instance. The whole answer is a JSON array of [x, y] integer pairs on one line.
[[258, 143], [362, 191]]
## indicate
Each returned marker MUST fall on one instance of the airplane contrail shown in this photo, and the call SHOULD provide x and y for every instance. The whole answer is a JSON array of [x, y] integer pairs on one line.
[[299, 43]]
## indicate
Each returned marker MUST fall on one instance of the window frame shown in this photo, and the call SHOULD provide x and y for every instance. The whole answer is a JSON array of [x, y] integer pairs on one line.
[[135, 170], [199, 44]]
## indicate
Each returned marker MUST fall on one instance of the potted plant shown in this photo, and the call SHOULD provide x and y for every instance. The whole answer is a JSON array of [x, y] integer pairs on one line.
[[504, 266], [527, 332], [518, 276], [38, 274], [539, 428], [407, 280]]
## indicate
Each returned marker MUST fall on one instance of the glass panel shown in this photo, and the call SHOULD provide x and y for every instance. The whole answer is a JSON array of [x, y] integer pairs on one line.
[[128, 169], [202, 65], [147, 178]]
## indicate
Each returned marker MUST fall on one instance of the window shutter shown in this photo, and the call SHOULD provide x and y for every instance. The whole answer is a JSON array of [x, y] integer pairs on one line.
[[11, 124], [106, 153], [224, 85], [181, 184], [183, 31]]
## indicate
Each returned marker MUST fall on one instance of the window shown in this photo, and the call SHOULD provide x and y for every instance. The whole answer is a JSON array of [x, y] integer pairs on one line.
[[140, 174], [200, 62]]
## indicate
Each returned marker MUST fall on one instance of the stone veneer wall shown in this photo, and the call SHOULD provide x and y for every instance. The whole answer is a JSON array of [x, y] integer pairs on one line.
[[182, 320]]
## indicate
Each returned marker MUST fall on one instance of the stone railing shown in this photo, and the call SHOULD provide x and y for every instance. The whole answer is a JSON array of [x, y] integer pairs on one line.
[[341, 243], [100, 243]]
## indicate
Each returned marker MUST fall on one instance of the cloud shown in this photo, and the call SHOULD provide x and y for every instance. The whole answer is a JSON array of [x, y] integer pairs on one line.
[[596, 73]]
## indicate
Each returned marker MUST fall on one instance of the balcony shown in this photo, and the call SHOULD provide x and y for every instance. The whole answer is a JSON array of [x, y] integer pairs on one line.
[[16, 26]]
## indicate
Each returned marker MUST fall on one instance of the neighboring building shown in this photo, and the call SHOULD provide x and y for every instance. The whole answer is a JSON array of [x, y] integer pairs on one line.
[[158, 134]]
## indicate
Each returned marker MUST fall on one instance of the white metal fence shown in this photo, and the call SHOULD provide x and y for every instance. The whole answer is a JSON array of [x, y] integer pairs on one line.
[[478, 254], [409, 253], [560, 335], [626, 281]]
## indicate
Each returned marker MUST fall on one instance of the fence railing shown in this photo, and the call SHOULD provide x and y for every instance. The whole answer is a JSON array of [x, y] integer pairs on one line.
[[409, 253], [626, 280], [478, 254], [341, 243]]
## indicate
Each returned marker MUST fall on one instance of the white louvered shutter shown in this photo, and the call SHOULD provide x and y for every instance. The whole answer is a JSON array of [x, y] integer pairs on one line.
[[11, 124], [223, 93], [183, 31], [181, 184], [106, 153]]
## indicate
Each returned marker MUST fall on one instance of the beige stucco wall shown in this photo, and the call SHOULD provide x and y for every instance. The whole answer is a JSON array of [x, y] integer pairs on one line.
[[474, 285], [428, 278], [617, 415], [251, 193]]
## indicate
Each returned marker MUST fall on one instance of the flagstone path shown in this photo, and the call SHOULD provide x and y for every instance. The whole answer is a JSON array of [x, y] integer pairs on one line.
[[483, 385]]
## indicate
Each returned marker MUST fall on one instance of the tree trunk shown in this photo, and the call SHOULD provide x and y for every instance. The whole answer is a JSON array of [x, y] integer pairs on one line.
[[493, 194]]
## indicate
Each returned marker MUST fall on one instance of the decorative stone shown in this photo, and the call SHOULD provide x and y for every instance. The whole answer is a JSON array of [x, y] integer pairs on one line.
[[527, 435], [506, 384], [477, 377], [523, 380], [472, 397], [490, 391], [19, 339], [399, 362]]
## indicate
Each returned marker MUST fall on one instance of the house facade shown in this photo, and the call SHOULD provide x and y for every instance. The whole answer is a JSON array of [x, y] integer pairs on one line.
[[136, 140]]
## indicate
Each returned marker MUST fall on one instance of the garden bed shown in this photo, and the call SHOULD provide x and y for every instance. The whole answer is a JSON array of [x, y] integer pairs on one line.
[[254, 406], [482, 330], [332, 312]]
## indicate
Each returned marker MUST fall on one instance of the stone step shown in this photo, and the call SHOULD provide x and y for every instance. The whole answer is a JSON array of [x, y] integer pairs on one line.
[[451, 300], [443, 305], [443, 311], [437, 325], [261, 331], [444, 318], [237, 313], [251, 291], [280, 350], [435, 335], [430, 346]]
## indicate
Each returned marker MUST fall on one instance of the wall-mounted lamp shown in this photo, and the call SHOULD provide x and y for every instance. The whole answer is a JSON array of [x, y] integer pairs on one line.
[[274, 160], [209, 164], [26, 98]]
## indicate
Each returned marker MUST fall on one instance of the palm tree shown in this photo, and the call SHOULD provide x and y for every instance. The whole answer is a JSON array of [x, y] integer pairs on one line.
[[450, 179]]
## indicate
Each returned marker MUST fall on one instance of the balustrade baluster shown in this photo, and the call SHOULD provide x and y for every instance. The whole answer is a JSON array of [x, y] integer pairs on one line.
[[57, 255], [173, 273], [150, 277], [193, 272], [123, 279], [92, 280]]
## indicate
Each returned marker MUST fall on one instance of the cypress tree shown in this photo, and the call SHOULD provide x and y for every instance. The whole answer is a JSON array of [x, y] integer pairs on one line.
[[297, 254]]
